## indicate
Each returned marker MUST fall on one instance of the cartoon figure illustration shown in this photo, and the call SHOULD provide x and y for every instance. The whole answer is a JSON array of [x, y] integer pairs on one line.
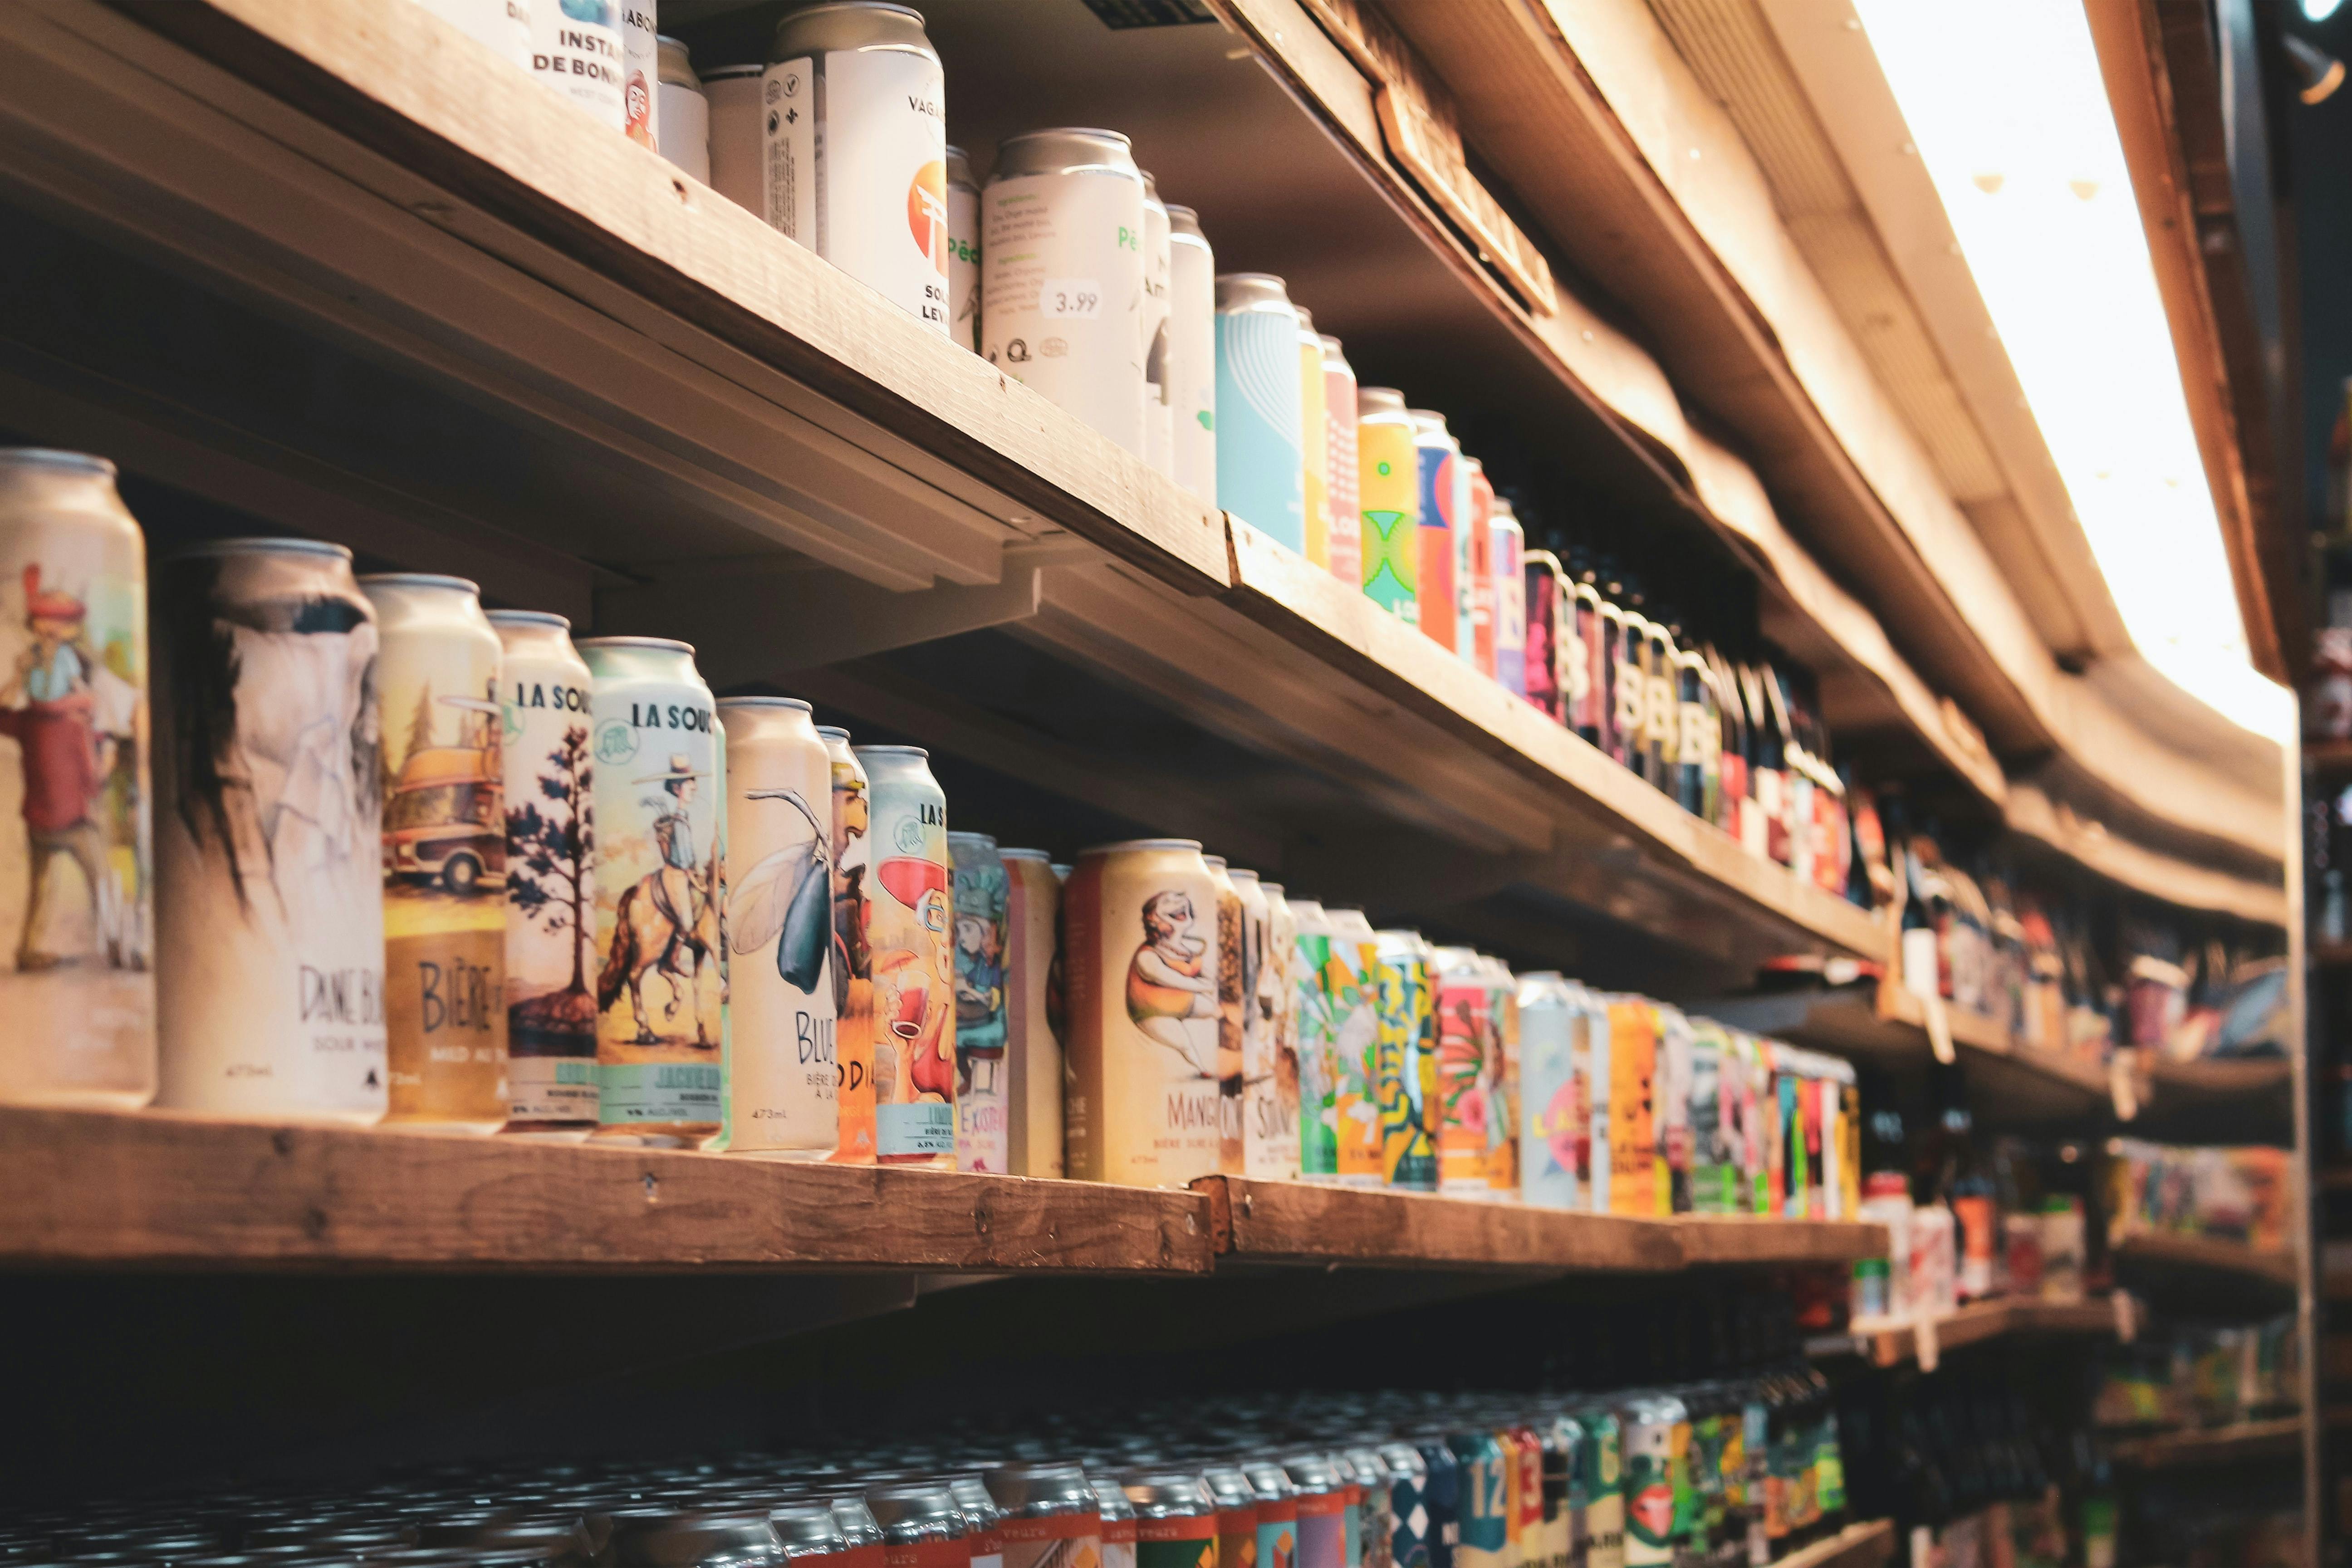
[[852, 815], [1165, 987], [786, 898], [668, 920], [69, 716]]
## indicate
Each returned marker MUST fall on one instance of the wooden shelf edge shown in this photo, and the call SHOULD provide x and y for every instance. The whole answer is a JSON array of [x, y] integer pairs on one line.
[[2244, 1441], [1885, 1343], [2275, 1265], [1863, 1545], [2033, 815]]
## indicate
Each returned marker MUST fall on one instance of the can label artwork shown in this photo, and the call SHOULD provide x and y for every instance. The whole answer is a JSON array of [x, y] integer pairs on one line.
[[1033, 1052], [1277, 1533], [1506, 550], [575, 48], [1468, 1060], [1484, 1521], [1649, 1491], [1261, 474], [1322, 1527], [1351, 985], [852, 957], [657, 992], [1408, 1063], [1053, 1541], [1389, 501], [1605, 1513], [1176, 1542], [1672, 1092], [551, 884], [640, 71], [1341, 463], [910, 921], [1062, 292], [1554, 1118], [981, 896], [856, 168], [1440, 465], [963, 265], [1634, 1184], [1316, 1015], [1315, 450], [1234, 983], [1270, 1046]]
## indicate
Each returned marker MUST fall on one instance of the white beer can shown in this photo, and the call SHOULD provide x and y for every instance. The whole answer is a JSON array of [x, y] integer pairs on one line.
[[1062, 274], [739, 146], [963, 251], [855, 114], [502, 25], [1193, 353], [1158, 261], [640, 70], [575, 48], [682, 114]]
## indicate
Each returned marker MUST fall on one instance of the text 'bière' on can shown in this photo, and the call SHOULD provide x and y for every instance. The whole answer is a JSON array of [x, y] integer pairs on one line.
[[1388, 502], [1444, 509], [1232, 1014], [1273, 1127], [1313, 448], [856, 168], [1312, 1022], [445, 852], [1140, 930], [1351, 990], [1506, 546], [1159, 262], [1192, 355], [963, 251], [737, 139], [910, 923], [500, 25], [78, 989], [580, 57], [1261, 472], [1062, 270], [853, 955], [551, 885], [640, 72], [1347, 543], [659, 805], [1407, 1061], [783, 1076], [1032, 1051], [270, 910], [1050, 1515], [1175, 1518], [681, 112], [982, 895]]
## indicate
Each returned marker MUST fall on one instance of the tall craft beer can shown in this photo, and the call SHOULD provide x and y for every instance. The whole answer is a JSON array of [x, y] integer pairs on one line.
[[1347, 542], [682, 111], [76, 879], [909, 925], [1506, 554], [1274, 1107], [738, 136], [1553, 1101], [659, 1071], [1033, 1053], [1503, 1098], [640, 72], [1388, 502], [1270, 1106], [1139, 930], [269, 829], [1193, 353], [853, 951], [1312, 1012], [1261, 474], [963, 251], [1313, 448], [544, 705], [1232, 999], [1474, 568], [445, 852], [1351, 990], [983, 897], [1158, 265], [783, 1078], [1407, 1061], [1062, 275], [575, 50], [856, 120], [1548, 617], [1445, 511], [1466, 1072]]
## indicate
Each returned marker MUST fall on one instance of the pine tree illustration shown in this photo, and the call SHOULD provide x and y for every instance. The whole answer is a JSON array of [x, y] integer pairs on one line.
[[420, 723], [549, 853]]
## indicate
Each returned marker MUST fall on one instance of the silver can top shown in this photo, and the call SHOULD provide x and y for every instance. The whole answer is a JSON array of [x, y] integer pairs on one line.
[[1040, 856], [765, 703], [1313, 1474], [833, 733], [1184, 222], [54, 458], [653, 1539], [1380, 402], [1306, 323], [1429, 422], [529, 619], [735, 72], [1334, 355], [807, 1529], [1139, 845], [214, 547], [1161, 1493], [1269, 1480], [676, 64], [1041, 1489], [1110, 1498], [1066, 150], [1151, 192], [916, 1510], [916, 751], [959, 170], [849, 24], [974, 841], [1253, 291], [980, 1509], [420, 580]]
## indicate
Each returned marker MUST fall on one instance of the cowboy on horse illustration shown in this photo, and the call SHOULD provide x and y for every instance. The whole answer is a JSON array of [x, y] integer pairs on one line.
[[666, 922]]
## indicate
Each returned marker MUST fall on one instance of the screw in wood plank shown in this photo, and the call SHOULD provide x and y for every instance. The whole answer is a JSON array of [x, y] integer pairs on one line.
[[282, 1141], [1249, 1205], [314, 1223], [653, 1188]]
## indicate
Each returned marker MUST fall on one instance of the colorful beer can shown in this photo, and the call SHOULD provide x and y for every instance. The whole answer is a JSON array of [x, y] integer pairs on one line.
[[1672, 1086], [575, 50], [1388, 502], [1506, 550], [910, 923], [1119, 1529], [659, 809], [1277, 1513], [1546, 629], [1635, 1184], [681, 113], [1175, 1519], [1467, 1069], [1444, 513], [856, 148], [1376, 1527], [1314, 446], [1236, 1502], [1322, 1516], [1600, 1081], [1554, 1117], [1316, 1022], [1140, 930], [1033, 1053], [1602, 1469], [1713, 1120], [1050, 1515], [1351, 988], [853, 950], [1269, 1109], [1652, 1480], [1232, 1014], [782, 1084], [1062, 271], [1483, 1536], [1159, 264], [1275, 1098], [78, 989], [269, 907], [1442, 1495], [983, 894], [1408, 1509], [922, 1527], [1408, 1062], [545, 702], [1261, 472], [1347, 546], [1503, 1107], [445, 852], [963, 251], [1474, 574], [1193, 353]]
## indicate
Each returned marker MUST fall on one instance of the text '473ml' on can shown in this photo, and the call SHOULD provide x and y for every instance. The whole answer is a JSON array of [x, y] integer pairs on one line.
[[1140, 930], [854, 110], [909, 929]]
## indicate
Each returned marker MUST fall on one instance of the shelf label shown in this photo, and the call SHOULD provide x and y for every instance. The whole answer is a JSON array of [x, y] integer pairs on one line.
[[1939, 1027], [1923, 1343], [2120, 1085]]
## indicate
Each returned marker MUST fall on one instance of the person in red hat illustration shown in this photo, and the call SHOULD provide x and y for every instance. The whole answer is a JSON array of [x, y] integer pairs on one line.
[[47, 708]]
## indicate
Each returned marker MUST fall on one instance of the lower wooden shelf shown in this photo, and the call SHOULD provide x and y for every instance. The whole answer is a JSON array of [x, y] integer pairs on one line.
[[2205, 1255], [2240, 1442], [1891, 1344], [1863, 1545]]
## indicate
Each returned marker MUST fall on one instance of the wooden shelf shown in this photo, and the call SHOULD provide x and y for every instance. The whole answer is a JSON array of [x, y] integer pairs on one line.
[[2209, 1256], [1867, 1544], [2244, 1443], [2216, 1100], [1891, 1344], [2035, 819]]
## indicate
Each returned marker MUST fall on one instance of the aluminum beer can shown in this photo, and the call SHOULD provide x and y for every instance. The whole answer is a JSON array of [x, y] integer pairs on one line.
[[1503, 1109], [1473, 575], [1192, 355], [1347, 546], [500, 25], [782, 1075], [1119, 1525], [981, 895], [1277, 1512], [1351, 990], [1653, 1479], [1507, 553], [1062, 270], [738, 137], [1598, 1083], [1376, 1530], [1676, 1064], [78, 988], [1033, 1054], [445, 852], [1603, 1468], [681, 112], [1351, 1553], [1442, 1495], [1713, 1120], [1261, 474], [1158, 265], [659, 810], [1584, 693], [544, 698], [922, 1527], [911, 921], [1483, 1538], [579, 55], [1050, 1514], [1232, 1014], [1408, 1506], [1140, 930], [1408, 1062], [1175, 1518], [811, 1535], [1444, 510], [1258, 1097], [1467, 1071], [640, 72], [856, 120], [1547, 626], [1322, 1505], [853, 953], [963, 251], [1318, 1103], [1388, 502], [983, 1521], [1236, 1502], [269, 907], [1314, 444], [1635, 1183], [1554, 1121], [1275, 1076]]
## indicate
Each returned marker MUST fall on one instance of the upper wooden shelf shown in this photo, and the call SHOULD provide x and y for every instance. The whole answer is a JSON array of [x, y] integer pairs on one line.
[[2037, 821], [1868, 1544], [1891, 1344], [2209, 1257], [2242, 1442]]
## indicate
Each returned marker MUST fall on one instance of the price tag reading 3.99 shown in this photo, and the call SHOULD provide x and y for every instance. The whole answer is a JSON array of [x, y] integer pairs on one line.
[[1070, 298]]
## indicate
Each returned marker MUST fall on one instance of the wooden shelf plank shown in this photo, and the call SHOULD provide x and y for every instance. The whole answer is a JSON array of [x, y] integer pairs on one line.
[[1867, 1544], [2033, 815], [2206, 1255], [1748, 1239], [2244, 1443], [1885, 1343]]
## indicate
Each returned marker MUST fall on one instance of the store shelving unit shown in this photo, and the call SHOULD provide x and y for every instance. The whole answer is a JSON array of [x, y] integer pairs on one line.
[[2247, 1442], [1893, 1342]]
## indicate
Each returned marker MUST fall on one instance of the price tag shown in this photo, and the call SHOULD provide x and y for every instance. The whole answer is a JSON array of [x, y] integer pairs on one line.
[[2126, 1316], [2121, 1086], [1939, 1028], [1923, 1547], [1923, 1343], [1070, 298]]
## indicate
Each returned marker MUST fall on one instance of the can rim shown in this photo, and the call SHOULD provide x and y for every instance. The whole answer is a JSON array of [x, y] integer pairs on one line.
[[262, 544], [764, 702], [832, 732], [529, 618], [664, 645], [1121, 137], [418, 580], [1043, 855], [1135, 844], [55, 457], [730, 72], [974, 838], [891, 752]]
